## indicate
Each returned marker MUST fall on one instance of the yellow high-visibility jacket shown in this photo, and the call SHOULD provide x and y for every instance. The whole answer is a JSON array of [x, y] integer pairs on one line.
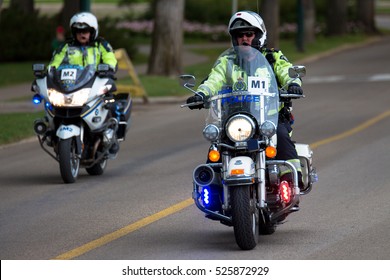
[[223, 73], [100, 51]]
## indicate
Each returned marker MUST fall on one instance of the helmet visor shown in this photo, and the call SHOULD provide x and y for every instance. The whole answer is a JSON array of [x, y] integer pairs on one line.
[[241, 25], [82, 30], [80, 25]]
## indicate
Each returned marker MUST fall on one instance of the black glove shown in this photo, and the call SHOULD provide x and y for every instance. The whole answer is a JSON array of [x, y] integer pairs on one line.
[[295, 89], [111, 74], [50, 71], [196, 98], [107, 74]]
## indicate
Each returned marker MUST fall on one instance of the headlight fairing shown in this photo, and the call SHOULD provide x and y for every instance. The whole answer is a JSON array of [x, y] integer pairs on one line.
[[240, 128], [74, 99]]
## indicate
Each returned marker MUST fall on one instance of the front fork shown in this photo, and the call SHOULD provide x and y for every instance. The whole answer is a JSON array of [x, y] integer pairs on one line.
[[262, 193], [65, 132]]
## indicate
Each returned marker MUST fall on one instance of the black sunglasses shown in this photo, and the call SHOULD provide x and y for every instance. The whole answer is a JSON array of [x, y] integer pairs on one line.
[[82, 30], [248, 34]]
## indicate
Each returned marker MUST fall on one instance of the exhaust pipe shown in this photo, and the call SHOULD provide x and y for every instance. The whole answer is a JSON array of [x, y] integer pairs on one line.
[[203, 175]]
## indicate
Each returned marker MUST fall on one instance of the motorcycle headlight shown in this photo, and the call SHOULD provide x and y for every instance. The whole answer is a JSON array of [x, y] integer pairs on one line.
[[211, 132], [75, 99], [240, 128], [268, 128]]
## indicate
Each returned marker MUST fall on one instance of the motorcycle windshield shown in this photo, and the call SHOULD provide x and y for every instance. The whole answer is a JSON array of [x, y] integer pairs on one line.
[[68, 78], [249, 88]]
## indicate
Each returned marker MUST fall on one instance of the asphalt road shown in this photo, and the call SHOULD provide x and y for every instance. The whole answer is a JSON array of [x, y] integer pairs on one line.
[[140, 209]]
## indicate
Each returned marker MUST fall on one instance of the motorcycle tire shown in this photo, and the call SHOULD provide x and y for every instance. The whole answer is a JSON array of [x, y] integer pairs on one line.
[[69, 160], [245, 217]]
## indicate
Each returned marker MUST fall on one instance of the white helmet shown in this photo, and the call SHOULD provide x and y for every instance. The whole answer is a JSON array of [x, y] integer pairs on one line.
[[84, 20], [248, 20]]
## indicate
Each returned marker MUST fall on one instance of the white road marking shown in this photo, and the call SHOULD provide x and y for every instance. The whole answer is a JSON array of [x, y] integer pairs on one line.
[[381, 77]]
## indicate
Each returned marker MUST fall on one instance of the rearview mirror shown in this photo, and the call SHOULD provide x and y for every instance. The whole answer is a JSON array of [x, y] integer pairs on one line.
[[297, 71], [38, 67], [187, 81], [39, 70]]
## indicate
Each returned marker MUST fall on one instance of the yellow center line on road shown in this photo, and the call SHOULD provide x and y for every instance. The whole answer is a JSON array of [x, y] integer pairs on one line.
[[124, 231], [186, 203], [352, 131]]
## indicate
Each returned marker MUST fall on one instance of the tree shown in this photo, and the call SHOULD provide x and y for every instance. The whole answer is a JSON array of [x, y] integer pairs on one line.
[[270, 15], [26, 6], [337, 17], [309, 21], [167, 41], [70, 8], [366, 15]]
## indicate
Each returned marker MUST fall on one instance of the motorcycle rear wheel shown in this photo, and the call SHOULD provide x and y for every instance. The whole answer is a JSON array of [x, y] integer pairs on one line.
[[69, 160], [245, 217]]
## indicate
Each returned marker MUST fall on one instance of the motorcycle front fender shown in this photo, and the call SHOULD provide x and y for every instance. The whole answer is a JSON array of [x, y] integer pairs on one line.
[[241, 171], [68, 131]]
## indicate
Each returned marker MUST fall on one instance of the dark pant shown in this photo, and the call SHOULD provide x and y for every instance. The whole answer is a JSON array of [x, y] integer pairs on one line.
[[286, 147]]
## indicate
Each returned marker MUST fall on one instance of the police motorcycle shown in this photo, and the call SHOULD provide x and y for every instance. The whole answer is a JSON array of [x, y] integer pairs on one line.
[[84, 121], [240, 185]]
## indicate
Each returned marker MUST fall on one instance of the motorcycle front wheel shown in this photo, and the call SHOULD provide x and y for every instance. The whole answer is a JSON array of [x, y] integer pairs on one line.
[[245, 217], [69, 160]]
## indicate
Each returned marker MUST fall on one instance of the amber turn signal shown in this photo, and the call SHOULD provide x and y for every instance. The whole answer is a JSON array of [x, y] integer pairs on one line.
[[237, 172], [214, 155], [270, 152]]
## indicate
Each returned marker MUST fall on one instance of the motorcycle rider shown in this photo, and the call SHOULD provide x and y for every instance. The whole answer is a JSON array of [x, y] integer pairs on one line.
[[247, 28], [85, 48]]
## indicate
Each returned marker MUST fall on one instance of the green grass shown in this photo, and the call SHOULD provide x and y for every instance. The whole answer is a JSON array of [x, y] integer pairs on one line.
[[16, 73], [16, 126]]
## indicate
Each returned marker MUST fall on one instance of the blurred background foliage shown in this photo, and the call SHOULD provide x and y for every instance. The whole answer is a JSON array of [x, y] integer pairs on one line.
[[27, 36]]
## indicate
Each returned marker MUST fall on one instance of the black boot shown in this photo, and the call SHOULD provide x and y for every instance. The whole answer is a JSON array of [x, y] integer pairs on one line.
[[300, 181], [114, 148]]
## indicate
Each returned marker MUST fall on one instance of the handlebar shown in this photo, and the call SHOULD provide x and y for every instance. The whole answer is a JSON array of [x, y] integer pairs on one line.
[[291, 95], [284, 94], [191, 104]]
